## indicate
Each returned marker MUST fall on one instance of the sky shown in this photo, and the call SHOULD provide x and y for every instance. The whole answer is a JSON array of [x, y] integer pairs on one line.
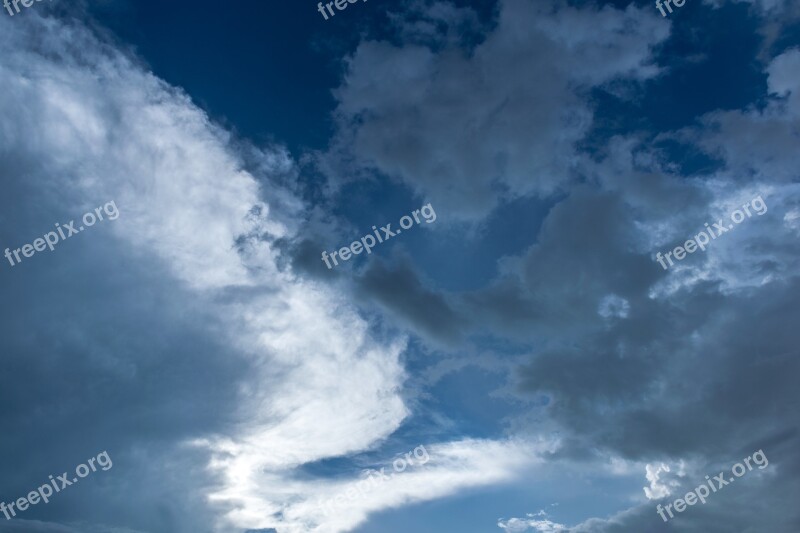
[[425, 265]]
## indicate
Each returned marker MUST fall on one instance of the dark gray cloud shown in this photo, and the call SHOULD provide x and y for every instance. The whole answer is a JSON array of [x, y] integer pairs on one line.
[[400, 291], [105, 355], [693, 364], [701, 367], [468, 125]]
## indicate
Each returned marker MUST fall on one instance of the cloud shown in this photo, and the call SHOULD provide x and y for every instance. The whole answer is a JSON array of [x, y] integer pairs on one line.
[[613, 306], [784, 79], [470, 126], [320, 386], [693, 371], [402, 293], [454, 465], [534, 523], [189, 289], [187, 300], [660, 485]]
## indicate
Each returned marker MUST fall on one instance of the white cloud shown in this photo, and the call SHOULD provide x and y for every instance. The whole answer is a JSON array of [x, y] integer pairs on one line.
[[454, 465], [758, 147], [83, 124], [537, 523], [658, 488]]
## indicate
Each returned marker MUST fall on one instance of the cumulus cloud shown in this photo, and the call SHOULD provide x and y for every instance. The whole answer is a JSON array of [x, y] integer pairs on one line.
[[304, 379], [470, 126], [660, 485], [696, 367], [703, 331]]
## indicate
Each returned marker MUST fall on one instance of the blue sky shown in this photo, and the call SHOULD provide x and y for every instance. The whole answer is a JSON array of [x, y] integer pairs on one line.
[[523, 333]]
